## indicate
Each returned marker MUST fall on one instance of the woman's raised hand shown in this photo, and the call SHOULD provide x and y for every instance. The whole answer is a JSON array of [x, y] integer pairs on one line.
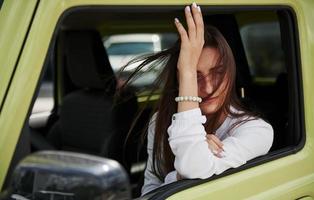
[[192, 41]]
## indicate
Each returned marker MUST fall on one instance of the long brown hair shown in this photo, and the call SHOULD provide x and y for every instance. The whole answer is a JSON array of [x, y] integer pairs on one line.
[[163, 158]]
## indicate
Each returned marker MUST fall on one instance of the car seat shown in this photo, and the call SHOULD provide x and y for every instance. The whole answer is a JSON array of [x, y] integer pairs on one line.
[[90, 121]]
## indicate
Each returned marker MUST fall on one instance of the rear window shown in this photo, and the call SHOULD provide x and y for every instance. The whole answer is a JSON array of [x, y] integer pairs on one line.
[[130, 48], [258, 37]]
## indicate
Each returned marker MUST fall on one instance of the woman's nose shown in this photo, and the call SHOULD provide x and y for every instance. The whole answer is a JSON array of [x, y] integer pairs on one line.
[[207, 86]]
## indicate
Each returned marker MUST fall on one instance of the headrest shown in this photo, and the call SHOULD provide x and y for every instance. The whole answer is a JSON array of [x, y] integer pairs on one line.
[[228, 26], [87, 60]]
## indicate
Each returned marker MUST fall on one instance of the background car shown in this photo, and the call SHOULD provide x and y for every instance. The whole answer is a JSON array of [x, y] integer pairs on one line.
[[122, 48]]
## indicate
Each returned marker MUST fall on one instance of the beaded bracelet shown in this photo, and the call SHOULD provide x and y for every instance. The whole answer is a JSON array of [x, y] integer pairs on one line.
[[188, 98]]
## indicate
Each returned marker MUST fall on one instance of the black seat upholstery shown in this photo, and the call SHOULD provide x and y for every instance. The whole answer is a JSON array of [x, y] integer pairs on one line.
[[89, 120]]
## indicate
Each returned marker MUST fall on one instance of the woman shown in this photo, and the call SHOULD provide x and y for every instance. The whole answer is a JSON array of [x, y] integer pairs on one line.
[[200, 129]]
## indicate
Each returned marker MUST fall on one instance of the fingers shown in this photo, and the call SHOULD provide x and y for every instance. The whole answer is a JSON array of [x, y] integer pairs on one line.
[[215, 145], [214, 148], [215, 139], [190, 22], [195, 23], [198, 21], [181, 30]]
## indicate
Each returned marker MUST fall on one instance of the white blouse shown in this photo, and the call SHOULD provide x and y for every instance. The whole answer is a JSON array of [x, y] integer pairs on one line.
[[193, 158]]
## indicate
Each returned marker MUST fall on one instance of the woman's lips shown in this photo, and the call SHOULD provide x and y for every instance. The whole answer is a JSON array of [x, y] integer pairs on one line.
[[208, 99]]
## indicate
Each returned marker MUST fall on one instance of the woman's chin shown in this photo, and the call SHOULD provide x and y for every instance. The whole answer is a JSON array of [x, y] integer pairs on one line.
[[208, 109]]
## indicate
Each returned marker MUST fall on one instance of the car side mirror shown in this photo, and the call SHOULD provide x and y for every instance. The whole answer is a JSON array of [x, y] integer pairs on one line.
[[66, 175]]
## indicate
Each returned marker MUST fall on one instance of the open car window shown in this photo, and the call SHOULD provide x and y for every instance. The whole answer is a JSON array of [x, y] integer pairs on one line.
[[272, 86]]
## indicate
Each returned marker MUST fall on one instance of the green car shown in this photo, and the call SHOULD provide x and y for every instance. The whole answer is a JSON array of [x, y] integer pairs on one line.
[[63, 135]]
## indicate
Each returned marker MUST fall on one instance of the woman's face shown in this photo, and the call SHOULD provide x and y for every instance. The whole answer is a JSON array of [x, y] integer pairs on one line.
[[208, 72]]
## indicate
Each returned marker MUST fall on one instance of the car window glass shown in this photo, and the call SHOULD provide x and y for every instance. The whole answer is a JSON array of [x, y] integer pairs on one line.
[[129, 48], [268, 92], [264, 62], [45, 101], [123, 48]]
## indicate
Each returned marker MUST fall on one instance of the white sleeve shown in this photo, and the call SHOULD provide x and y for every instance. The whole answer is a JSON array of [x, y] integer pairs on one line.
[[150, 181], [193, 159]]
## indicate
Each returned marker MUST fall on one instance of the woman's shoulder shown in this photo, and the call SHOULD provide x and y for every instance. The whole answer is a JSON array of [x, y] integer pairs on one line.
[[253, 130], [248, 121], [253, 121]]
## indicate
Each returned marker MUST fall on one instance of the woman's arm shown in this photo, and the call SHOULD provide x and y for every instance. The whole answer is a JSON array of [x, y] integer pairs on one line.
[[190, 51], [193, 159]]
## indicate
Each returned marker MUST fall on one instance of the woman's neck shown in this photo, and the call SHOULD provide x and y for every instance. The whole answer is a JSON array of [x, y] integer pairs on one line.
[[217, 122]]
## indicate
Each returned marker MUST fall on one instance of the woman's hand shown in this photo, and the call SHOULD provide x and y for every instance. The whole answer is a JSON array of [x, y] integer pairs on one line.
[[214, 144], [192, 41]]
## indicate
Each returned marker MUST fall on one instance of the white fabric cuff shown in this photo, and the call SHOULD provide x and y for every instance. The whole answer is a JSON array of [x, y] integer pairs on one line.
[[183, 121]]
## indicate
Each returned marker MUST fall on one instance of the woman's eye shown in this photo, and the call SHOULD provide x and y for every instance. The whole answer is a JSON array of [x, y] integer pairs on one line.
[[219, 70], [199, 77]]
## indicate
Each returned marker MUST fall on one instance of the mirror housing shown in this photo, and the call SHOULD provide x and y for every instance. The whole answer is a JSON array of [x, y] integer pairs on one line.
[[67, 175]]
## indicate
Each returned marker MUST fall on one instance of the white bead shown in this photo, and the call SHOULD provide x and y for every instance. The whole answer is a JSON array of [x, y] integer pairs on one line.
[[188, 98]]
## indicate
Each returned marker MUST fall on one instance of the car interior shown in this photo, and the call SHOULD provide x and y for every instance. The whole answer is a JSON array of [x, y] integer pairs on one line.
[[88, 117]]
